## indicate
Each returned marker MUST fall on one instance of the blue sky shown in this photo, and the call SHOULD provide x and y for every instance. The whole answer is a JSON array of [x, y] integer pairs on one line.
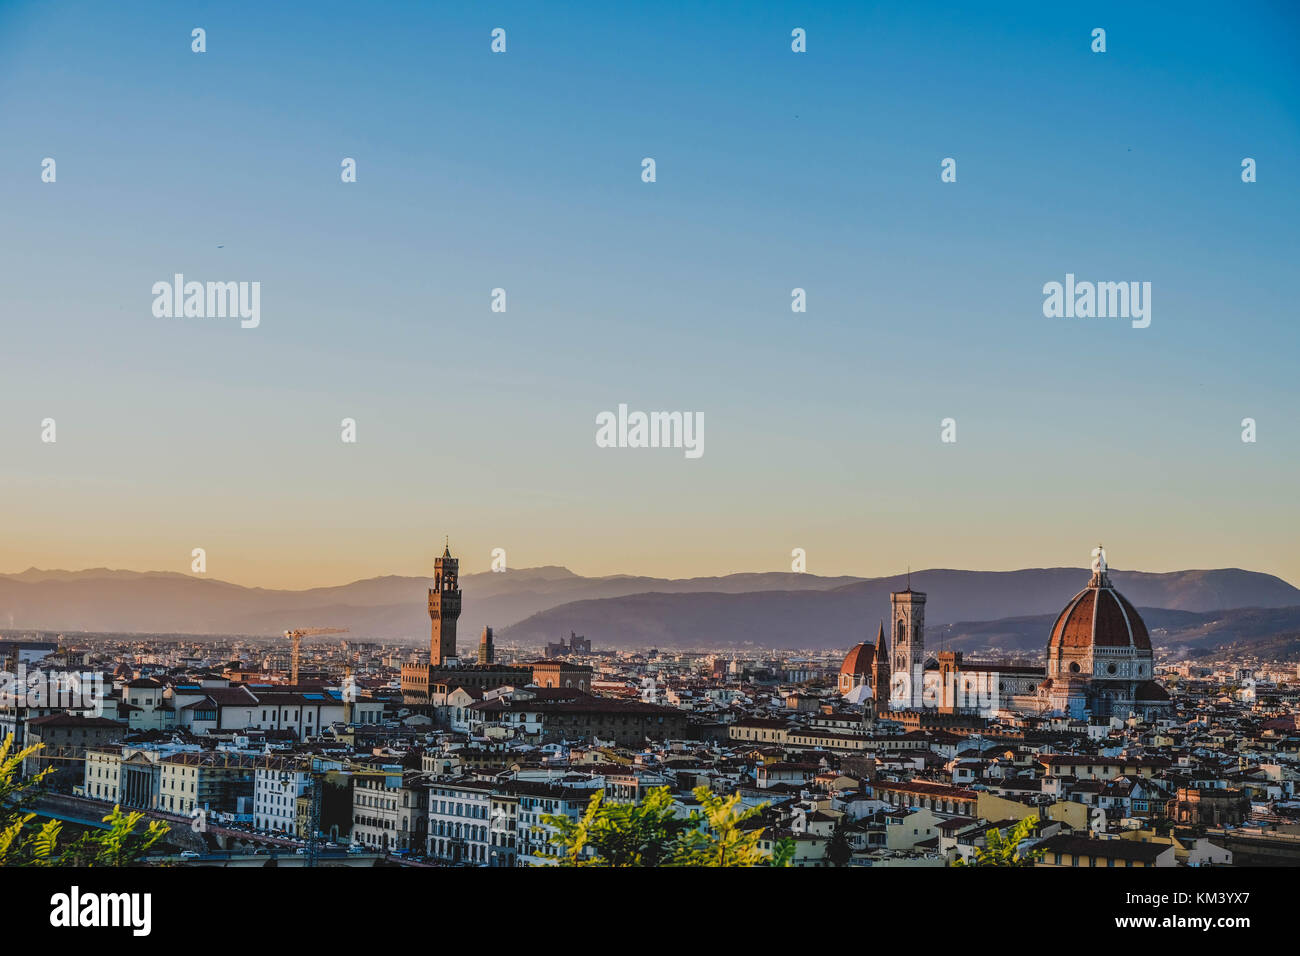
[[522, 171]]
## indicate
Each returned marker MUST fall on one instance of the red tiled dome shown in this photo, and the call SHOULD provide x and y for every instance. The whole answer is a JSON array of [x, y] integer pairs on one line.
[[859, 660], [1099, 616]]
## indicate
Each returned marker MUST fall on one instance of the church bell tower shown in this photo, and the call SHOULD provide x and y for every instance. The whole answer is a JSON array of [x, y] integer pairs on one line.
[[907, 609], [444, 607]]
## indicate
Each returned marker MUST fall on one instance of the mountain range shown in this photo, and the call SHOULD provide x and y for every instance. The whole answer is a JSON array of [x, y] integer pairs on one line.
[[1006, 611]]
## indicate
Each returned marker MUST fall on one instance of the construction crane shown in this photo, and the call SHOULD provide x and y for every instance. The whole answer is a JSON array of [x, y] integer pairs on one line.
[[317, 772], [296, 635]]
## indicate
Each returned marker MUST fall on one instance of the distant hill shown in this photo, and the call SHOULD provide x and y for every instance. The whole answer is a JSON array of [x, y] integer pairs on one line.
[[1271, 633], [844, 615], [534, 605], [384, 608]]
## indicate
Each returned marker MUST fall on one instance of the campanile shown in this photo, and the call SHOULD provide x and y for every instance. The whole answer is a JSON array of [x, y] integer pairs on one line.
[[907, 608]]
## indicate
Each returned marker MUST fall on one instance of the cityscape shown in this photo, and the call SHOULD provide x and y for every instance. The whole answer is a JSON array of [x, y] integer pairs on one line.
[[322, 748], [358, 517]]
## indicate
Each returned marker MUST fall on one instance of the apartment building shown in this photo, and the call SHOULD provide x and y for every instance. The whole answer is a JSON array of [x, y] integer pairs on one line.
[[391, 813], [460, 813], [207, 780], [539, 800]]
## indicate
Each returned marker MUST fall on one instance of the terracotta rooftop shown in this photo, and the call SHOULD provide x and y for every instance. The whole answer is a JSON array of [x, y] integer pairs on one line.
[[1099, 616], [859, 660]]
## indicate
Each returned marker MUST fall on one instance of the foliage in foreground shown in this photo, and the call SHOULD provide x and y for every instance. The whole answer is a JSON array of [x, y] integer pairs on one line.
[[23, 844], [650, 834], [1005, 850]]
